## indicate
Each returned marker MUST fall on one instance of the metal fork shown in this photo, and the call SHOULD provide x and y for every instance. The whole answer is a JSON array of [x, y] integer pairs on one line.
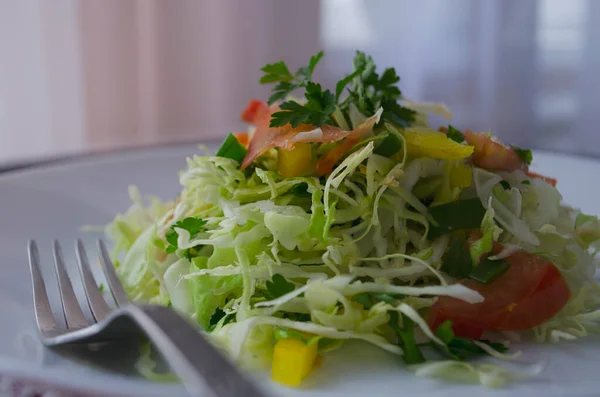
[[203, 370]]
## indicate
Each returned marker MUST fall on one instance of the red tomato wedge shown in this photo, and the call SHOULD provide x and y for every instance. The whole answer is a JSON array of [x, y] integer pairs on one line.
[[530, 292], [266, 138], [491, 155], [549, 180]]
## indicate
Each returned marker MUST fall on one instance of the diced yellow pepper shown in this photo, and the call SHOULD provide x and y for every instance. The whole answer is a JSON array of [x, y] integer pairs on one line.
[[296, 162], [457, 177], [423, 142], [292, 361], [461, 175]]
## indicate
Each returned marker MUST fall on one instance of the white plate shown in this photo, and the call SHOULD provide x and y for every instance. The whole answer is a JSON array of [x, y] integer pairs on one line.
[[55, 201]]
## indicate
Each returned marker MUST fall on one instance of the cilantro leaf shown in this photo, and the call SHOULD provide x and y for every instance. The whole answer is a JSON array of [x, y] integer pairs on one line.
[[282, 90], [369, 299], [292, 112], [307, 71], [406, 338], [286, 82], [317, 110], [217, 316], [455, 134], [394, 112], [192, 225], [461, 348], [276, 72], [457, 261], [278, 286], [339, 87], [370, 91], [524, 154]]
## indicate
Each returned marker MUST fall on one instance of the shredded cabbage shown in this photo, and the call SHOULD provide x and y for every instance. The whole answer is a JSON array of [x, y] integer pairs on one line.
[[243, 252]]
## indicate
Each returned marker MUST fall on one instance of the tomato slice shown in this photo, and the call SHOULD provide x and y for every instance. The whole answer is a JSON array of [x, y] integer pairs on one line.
[[491, 155], [531, 291]]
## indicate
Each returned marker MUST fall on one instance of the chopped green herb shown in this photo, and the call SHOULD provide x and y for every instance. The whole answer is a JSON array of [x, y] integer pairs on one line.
[[457, 262], [369, 299], [526, 182], [288, 333], [232, 149], [101, 287], [369, 91], [461, 348], [389, 146], [455, 134], [488, 270], [505, 185], [192, 225], [317, 110], [457, 215], [524, 154], [217, 316], [278, 286], [300, 190], [406, 339]]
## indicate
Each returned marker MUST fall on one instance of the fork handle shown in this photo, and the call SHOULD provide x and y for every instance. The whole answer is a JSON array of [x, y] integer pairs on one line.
[[199, 365]]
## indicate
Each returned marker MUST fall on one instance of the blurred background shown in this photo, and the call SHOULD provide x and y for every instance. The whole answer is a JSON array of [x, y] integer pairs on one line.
[[80, 76]]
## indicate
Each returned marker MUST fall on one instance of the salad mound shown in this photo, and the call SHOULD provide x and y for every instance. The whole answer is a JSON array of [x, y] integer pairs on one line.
[[346, 215]]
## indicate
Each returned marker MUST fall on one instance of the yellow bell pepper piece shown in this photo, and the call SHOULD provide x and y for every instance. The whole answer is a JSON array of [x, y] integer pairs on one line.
[[461, 175], [296, 162], [457, 176], [424, 142], [292, 361]]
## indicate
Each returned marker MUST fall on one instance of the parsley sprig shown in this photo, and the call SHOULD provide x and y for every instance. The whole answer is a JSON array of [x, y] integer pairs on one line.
[[370, 91], [367, 91]]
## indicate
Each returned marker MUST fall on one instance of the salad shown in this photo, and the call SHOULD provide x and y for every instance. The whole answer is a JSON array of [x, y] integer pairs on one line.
[[345, 215]]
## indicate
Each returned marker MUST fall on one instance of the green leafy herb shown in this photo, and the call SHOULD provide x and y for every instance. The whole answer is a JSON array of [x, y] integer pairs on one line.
[[488, 270], [339, 87], [461, 348], [276, 72], [505, 185], [192, 225], [288, 333], [300, 190], [217, 316], [307, 71], [526, 182], [389, 146], [369, 299], [369, 91], [286, 82], [278, 286], [232, 149], [455, 134], [101, 287], [317, 110], [406, 339], [457, 262], [456, 215], [524, 154]]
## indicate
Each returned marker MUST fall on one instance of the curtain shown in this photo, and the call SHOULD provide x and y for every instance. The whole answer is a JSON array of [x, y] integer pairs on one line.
[[95, 74]]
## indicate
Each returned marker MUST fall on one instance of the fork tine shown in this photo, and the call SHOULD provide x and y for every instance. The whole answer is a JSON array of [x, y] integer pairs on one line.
[[43, 312], [73, 314], [115, 286], [95, 299]]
